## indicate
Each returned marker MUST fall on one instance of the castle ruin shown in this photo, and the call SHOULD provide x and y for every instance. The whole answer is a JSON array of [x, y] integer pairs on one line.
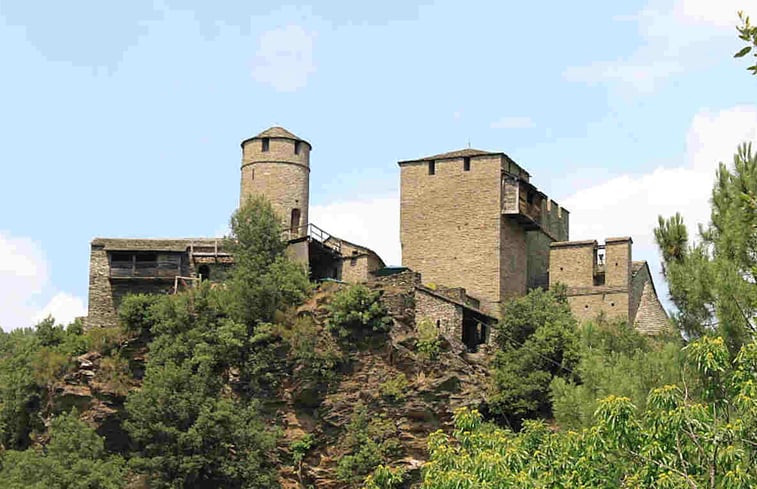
[[474, 232]]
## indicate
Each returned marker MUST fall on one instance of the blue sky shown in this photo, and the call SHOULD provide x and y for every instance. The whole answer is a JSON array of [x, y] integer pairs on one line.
[[124, 118]]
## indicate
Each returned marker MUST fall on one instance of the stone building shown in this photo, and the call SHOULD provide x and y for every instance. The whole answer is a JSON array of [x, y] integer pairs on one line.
[[471, 222], [473, 219], [275, 164], [603, 280]]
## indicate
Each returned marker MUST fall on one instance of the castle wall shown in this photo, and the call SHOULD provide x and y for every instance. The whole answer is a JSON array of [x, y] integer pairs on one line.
[[587, 306], [572, 263], [450, 224]]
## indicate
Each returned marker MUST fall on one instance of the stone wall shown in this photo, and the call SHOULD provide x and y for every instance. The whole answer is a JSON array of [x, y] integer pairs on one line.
[[611, 302], [450, 224], [447, 316], [572, 263], [101, 309]]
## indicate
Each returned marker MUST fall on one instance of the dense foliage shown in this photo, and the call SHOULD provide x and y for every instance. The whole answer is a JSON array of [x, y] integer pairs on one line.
[[680, 440], [355, 311], [615, 360], [73, 459], [537, 340]]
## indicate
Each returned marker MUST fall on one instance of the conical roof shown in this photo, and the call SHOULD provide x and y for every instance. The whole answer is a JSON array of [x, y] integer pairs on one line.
[[277, 132]]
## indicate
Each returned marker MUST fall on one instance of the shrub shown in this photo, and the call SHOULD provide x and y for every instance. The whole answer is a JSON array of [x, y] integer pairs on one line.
[[386, 478], [395, 388], [369, 441], [300, 449], [357, 309], [136, 312], [429, 341]]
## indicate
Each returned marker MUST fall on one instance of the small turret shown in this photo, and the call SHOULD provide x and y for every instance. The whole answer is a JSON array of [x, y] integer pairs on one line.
[[276, 164]]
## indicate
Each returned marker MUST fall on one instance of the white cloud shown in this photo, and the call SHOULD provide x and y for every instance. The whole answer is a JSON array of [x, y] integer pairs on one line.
[[284, 59], [373, 223], [512, 123], [24, 281], [63, 307], [629, 204], [676, 36]]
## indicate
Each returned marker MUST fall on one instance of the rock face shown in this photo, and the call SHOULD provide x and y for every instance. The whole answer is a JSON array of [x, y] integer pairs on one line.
[[434, 390], [428, 394]]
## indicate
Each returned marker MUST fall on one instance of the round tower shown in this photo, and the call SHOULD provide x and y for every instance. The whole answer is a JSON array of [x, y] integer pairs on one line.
[[276, 164]]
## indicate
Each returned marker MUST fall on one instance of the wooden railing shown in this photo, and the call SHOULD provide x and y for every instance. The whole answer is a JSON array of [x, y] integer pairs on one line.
[[314, 232]]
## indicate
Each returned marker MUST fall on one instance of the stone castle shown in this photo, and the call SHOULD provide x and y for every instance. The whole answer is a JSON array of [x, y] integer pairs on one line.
[[474, 231]]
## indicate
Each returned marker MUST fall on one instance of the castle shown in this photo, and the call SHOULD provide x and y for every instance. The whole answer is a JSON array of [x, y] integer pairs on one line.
[[474, 232]]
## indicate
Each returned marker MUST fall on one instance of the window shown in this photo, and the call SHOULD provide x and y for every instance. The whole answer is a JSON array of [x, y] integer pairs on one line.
[[204, 272], [296, 147], [466, 163], [253, 174], [530, 197], [295, 222], [120, 259], [432, 167], [266, 144]]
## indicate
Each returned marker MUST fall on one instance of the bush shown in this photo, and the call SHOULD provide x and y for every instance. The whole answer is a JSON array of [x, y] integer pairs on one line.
[[369, 441], [356, 310], [135, 313], [395, 388], [300, 449], [386, 478], [429, 341]]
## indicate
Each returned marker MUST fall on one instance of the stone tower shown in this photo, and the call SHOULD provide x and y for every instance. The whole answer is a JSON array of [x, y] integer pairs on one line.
[[472, 219], [276, 164]]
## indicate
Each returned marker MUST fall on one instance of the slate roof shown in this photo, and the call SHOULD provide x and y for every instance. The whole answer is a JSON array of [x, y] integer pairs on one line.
[[460, 153], [277, 132]]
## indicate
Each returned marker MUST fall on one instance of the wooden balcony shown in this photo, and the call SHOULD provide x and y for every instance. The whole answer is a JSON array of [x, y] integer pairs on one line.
[[145, 265], [521, 201]]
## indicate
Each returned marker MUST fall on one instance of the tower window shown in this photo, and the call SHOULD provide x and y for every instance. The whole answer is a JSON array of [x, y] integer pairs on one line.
[[266, 144], [466, 163], [295, 222], [432, 167], [296, 147]]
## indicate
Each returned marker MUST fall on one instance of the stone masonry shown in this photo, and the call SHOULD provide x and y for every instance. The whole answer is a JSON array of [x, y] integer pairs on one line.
[[472, 218]]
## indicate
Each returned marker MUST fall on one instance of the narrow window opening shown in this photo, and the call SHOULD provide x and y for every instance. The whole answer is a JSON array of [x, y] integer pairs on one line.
[[438, 323], [296, 147], [266, 144], [295, 222], [432, 167], [530, 197], [253, 174], [466, 163]]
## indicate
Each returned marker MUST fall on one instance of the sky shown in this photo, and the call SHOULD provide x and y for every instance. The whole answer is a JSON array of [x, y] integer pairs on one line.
[[123, 119]]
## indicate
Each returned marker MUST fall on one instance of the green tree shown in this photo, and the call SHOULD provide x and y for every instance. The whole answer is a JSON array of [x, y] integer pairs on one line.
[[712, 282], [615, 360], [677, 441], [537, 340], [263, 279], [74, 458]]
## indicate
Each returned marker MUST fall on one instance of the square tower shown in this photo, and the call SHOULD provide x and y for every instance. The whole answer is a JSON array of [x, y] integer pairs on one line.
[[465, 220]]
